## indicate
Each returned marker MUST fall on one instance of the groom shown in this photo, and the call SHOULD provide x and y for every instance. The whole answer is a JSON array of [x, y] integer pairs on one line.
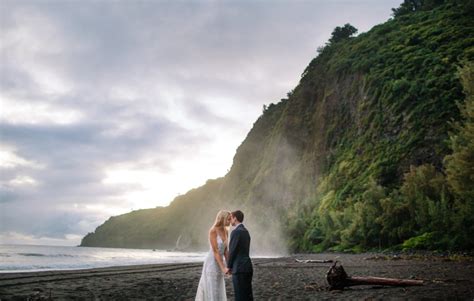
[[239, 263]]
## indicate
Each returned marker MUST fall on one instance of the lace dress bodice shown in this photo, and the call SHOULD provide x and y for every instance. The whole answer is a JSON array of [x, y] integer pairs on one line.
[[220, 245]]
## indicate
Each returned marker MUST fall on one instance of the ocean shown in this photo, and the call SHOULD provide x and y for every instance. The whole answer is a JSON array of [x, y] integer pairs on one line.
[[32, 258]]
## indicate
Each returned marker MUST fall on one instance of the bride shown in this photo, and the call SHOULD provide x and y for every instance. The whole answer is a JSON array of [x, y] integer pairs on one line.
[[212, 285]]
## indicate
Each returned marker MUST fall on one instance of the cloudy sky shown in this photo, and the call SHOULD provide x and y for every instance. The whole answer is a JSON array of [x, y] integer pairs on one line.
[[109, 106]]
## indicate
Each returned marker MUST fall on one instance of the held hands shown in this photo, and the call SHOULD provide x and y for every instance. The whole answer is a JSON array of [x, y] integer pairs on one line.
[[227, 271]]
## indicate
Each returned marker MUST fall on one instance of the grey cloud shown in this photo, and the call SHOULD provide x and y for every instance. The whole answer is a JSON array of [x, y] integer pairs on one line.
[[202, 113], [40, 220]]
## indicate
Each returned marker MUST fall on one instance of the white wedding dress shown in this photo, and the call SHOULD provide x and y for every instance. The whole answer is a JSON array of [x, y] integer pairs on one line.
[[211, 285]]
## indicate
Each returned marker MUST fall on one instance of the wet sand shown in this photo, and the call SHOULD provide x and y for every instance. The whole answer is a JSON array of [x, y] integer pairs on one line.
[[445, 278]]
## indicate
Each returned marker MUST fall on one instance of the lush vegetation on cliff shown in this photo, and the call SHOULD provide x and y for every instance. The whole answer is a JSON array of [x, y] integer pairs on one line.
[[385, 183], [373, 148]]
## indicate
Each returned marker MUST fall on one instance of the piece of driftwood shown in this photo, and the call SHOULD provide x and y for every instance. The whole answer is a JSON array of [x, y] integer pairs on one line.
[[338, 279], [314, 261]]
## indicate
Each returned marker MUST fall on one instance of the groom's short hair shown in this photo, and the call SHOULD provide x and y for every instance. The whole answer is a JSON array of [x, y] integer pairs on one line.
[[239, 215]]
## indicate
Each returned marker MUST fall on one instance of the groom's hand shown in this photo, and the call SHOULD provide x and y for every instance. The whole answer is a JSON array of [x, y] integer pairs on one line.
[[228, 271]]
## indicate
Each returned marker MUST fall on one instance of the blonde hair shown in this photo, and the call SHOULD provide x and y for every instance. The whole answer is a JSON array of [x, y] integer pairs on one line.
[[221, 218]]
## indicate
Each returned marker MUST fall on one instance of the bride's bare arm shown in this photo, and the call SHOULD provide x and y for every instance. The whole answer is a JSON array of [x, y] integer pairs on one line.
[[226, 250], [215, 249], [226, 254]]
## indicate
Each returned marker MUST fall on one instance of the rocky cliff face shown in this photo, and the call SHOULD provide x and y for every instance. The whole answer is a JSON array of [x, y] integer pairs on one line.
[[319, 167]]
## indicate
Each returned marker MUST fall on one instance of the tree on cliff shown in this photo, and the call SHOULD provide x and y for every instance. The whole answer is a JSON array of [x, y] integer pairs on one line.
[[342, 33]]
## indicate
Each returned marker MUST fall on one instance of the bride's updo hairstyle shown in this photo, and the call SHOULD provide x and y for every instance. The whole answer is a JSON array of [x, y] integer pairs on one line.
[[221, 218]]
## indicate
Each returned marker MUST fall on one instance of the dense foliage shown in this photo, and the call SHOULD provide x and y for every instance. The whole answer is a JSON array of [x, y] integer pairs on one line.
[[373, 149], [386, 184]]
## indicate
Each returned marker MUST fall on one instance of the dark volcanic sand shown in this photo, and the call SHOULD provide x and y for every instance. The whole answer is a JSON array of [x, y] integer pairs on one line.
[[274, 279]]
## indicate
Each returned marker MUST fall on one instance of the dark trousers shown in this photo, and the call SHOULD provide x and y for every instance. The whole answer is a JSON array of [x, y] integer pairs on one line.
[[243, 286]]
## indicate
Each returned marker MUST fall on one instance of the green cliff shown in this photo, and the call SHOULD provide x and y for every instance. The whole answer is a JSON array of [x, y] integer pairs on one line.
[[372, 149]]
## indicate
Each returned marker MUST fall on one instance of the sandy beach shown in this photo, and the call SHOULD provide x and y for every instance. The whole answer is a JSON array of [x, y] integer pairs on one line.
[[274, 279]]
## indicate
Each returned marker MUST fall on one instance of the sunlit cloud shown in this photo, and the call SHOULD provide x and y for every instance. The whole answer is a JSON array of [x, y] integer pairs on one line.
[[105, 210], [22, 112], [9, 159], [151, 187], [23, 180]]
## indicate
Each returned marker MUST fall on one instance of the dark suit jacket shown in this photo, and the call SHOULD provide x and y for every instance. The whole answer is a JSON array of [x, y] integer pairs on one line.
[[239, 259]]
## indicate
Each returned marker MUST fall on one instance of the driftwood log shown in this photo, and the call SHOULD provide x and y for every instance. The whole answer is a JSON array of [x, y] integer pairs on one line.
[[338, 279], [315, 261]]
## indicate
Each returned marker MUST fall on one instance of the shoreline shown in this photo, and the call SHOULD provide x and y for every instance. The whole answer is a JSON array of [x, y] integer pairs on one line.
[[91, 269], [283, 277]]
